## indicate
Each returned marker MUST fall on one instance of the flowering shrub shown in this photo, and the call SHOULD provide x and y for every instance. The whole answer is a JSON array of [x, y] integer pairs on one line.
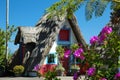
[[42, 70], [102, 56]]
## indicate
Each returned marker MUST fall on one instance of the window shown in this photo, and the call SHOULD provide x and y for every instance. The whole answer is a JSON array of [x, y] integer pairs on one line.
[[64, 35], [51, 58]]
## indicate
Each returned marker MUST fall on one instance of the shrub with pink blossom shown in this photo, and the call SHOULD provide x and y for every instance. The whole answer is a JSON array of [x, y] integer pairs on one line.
[[103, 54]]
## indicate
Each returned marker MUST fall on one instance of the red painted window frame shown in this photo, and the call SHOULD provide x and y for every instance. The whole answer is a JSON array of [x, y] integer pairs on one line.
[[64, 35]]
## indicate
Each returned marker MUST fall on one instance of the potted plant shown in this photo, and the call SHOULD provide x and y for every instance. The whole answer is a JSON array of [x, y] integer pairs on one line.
[[60, 70], [18, 70], [51, 75], [74, 68], [35, 71]]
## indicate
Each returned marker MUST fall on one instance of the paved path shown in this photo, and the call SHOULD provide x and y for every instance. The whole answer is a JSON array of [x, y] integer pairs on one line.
[[30, 78], [37, 78]]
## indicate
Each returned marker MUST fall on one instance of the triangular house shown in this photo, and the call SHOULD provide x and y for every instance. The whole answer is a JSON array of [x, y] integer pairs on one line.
[[35, 43]]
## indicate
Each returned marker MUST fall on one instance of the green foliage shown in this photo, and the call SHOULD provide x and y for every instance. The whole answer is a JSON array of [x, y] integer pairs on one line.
[[60, 51], [74, 67], [2, 47], [74, 47], [96, 7], [10, 30], [60, 67], [68, 7], [2, 41], [106, 61], [64, 7], [18, 69], [51, 76]]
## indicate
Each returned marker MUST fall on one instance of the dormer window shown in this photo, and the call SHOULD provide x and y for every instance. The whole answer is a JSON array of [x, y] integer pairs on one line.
[[64, 35]]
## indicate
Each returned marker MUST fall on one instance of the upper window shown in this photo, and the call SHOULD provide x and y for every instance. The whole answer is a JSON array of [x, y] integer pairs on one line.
[[64, 35]]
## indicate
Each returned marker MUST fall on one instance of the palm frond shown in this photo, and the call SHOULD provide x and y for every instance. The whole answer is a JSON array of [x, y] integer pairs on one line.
[[89, 9], [100, 7], [96, 7]]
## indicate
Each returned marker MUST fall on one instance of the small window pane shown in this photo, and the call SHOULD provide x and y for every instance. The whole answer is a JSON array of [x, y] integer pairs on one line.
[[51, 58]]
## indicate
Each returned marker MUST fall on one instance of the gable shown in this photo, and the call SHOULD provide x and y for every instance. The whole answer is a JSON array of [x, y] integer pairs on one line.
[[66, 35]]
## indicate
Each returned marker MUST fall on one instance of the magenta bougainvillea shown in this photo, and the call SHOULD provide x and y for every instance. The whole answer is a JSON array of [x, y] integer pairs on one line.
[[108, 42], [79, 53], [103, 79], [67, 53], [117, 76], [94, 40], [103, 35], [75, 76], [106, 30], [91, 71]]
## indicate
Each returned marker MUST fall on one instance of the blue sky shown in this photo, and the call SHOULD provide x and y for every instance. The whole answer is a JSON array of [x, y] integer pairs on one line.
[[28, 12]]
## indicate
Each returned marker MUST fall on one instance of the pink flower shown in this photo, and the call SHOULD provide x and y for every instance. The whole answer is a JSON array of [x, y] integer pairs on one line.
[[91, 71], [103, 79], [75, 77], [94, 39], [102, 37], [106, 30], [117, 75], [67, 53], [37, 67], [78, 53], [82, 57]]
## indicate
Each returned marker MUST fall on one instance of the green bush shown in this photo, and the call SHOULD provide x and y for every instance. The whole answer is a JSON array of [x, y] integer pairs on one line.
[[51, 76], [18, 69]]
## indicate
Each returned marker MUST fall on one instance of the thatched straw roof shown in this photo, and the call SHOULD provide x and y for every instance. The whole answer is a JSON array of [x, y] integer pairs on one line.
[[44, 34], [27, 34]]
